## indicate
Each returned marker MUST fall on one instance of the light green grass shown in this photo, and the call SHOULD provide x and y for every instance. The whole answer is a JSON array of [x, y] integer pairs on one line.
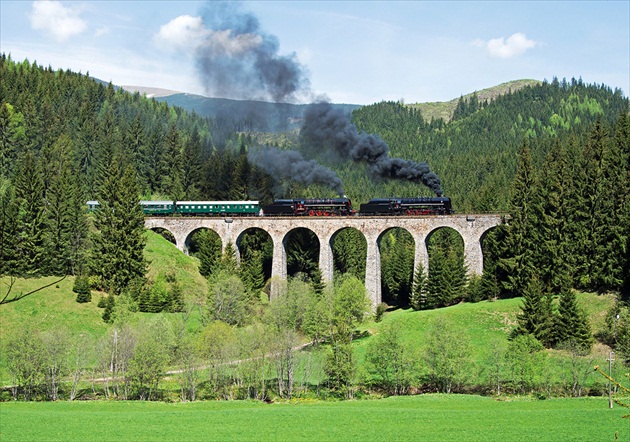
[[417, 418]]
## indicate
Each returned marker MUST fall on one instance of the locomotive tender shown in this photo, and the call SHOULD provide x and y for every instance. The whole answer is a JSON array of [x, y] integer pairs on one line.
[[299, 207]]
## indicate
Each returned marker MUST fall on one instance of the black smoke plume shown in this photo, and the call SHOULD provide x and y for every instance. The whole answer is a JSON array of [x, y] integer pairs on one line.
[[238, 60], [292, 165], [329, 129]]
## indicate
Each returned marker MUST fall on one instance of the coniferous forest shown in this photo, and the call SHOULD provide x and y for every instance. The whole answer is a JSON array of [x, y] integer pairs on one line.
[[554, 158]]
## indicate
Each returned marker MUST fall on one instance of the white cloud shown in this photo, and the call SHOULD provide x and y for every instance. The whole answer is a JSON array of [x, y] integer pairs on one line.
[[103, 30], [187, 33], [514, 45], [60, 21], [182, 32]]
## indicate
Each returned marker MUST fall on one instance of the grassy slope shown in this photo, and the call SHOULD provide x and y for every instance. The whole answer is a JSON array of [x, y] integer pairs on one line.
[[445, 109], [55, 306], [484, 325]]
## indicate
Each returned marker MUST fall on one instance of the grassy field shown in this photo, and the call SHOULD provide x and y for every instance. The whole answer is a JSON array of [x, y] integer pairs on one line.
[[426, 417]]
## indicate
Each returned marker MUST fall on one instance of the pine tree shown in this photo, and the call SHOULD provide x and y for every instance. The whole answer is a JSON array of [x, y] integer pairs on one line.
[[8, 228], [110, 302], [613, 219], [29, 194], [553, 218], [82, 288], [520, 237], [572, 326], [536, 316], [118, 254], [590, 196], [208, 251], [419, 294], [191, 173], [58, 209]]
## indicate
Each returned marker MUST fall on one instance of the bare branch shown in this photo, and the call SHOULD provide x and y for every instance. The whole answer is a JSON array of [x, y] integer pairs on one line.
[[6, 299]]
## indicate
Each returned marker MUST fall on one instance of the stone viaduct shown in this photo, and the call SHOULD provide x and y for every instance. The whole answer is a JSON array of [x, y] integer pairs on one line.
[[472, 228]]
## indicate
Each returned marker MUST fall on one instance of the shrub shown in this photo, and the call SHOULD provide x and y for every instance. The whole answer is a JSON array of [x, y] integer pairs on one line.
[[82, 288]]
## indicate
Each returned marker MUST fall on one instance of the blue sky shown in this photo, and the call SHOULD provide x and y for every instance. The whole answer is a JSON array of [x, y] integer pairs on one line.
[[352, 52]]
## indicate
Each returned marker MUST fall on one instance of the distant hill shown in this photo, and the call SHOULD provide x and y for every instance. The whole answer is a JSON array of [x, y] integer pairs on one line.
[[444, 109], [256, 115], [246, 115]]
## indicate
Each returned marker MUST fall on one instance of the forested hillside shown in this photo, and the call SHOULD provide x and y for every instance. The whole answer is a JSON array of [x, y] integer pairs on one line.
[[475, 153], [555, 156]]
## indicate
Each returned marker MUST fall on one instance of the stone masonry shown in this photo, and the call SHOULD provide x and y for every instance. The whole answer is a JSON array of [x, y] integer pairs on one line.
[[471, 228]]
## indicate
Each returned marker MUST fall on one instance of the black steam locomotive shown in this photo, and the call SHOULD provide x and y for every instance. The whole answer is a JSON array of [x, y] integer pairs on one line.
[[310, 207], [407, 206]]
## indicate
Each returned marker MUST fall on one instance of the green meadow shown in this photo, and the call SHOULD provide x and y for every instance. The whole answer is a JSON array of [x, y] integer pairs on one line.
[[426, 417]]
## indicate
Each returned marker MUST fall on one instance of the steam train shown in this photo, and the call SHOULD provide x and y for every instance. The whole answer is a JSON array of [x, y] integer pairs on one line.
[[298, 207]]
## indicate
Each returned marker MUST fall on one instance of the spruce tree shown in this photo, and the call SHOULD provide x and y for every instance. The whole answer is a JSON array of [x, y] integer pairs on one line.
[[82, 288], [520, 237], [208, 251], [419, 294], [29, 194], [536, 316], [572, 326], [58, 213], [8, 227], [553, 218], [118, 253]]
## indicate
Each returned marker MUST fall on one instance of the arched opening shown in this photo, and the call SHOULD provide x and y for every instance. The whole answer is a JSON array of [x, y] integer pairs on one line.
[[489, 286], [349, 248], [255, 248], [302, 247], [397, 249], [446, 281], [166, 234], [205, 245]]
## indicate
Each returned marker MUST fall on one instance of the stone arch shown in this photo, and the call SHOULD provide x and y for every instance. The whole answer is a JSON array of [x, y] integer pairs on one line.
[[298, 248], [165, 233], [482, 241], [189, 241], [430, 235], [397, 290], [360, 252], [263, 244]]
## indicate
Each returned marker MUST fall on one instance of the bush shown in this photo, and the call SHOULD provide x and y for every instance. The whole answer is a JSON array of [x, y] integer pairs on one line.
[[380, 311], [82, 288]]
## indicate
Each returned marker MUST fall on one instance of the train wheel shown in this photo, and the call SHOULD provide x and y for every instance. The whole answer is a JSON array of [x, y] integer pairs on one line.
[[311, 213]]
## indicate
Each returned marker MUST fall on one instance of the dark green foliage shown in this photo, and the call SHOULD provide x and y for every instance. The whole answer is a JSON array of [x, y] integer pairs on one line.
[[446, 281], [572, 325], [397, 255], [82, 288], [418, 299], [256, 250], [536, 317], [349, 252], [8, 228], [521, 237], [206, 245], [110, 302], [29, 195], [118, 254], [302, 252]]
